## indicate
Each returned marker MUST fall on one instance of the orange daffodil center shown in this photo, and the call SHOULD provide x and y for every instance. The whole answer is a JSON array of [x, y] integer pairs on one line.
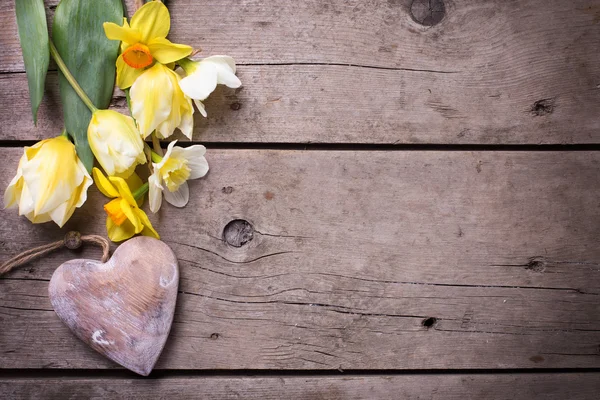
[[137, 56], [144, 41], [125, 217], [115, 212]]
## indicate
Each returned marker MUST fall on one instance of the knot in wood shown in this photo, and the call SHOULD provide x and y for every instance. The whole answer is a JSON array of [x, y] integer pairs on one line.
[[238, 232], [428, 12], [73, 240]]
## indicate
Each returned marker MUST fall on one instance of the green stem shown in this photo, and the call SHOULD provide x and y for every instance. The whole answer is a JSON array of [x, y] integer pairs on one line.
[[64, 133], [156, 158], [138, 194], [156, 145], [70, 78]]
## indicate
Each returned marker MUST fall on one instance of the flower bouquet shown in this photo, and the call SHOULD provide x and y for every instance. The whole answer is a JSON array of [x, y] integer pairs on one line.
[[94, 46]]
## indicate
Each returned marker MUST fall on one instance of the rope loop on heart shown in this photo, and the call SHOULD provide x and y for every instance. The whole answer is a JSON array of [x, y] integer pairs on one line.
[[72, 240]]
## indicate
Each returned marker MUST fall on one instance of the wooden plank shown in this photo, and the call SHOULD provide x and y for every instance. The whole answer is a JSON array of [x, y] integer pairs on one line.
[[358, 260], [365, 72], [572, 386]]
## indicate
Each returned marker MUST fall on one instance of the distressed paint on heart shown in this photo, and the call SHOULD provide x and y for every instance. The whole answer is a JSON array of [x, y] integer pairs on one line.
[[122, 308]]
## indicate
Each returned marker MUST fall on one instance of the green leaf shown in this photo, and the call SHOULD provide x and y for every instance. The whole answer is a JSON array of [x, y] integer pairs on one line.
[[33, 34], [79, 37]]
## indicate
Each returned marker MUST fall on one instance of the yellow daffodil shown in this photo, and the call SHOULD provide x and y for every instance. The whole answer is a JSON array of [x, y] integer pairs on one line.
[[173, 171], [144, 41], [204, 75], [125, 219], [50, 183], [116, 142], [157, 102]]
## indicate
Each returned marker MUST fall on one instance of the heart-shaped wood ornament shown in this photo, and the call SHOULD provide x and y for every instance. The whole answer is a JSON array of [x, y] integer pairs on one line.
[[123, 308]]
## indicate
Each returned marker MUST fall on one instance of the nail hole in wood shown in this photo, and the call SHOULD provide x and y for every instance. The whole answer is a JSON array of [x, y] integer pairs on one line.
[[214, 336], [428, 12], [238, 232], [429, 322]]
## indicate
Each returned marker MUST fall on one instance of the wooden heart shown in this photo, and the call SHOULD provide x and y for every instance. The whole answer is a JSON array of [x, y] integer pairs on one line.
[[123, 308]]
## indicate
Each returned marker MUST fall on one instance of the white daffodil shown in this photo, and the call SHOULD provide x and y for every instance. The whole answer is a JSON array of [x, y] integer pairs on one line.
[[204, 75], [171, 173]]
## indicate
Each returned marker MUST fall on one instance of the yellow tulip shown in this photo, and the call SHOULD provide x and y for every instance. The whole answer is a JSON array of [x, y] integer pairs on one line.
[[204, 75], [143, 41], [116, 142], [173, 171], [125, 219], [157, 102], [51, 182]]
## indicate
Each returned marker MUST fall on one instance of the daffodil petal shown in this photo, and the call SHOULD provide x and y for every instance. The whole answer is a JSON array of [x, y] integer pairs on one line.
[[180, 197], [201, 83], [148, 228], [154, 192], [118, 233], [131, 215], [123, 189], [122, 33], [166, 52], [200, 107], [152, 20], [126, 75], [195, 159], [225, 71], [103, 184]]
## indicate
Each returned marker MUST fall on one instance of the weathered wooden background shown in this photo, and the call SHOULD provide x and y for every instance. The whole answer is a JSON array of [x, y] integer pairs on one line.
[[421, 203]]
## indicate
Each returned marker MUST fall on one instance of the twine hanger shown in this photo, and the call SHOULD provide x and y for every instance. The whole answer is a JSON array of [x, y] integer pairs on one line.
[[73, 240]]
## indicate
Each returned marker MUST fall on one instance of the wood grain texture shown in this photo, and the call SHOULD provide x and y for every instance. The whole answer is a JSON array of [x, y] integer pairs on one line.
[[123, 308], [365, 72], [357, 260], [572, 386]]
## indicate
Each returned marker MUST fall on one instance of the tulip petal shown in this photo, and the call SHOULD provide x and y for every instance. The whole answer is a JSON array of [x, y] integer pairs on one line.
[[12, 194], [165, 52], [26, 204], [148, 228], [87, 182], [187, 120], [151, 98], [126, 75], [123, 33], [118, 233], [180, 197], [201, 83], [152, 20], [181, 115], [123, 189], [104, 185], [154, 192], [52, 175]]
